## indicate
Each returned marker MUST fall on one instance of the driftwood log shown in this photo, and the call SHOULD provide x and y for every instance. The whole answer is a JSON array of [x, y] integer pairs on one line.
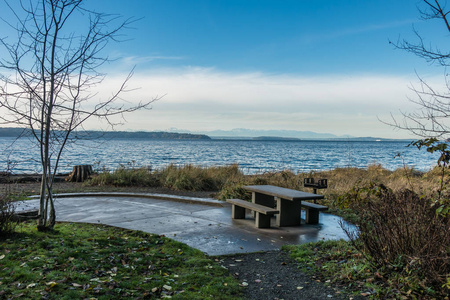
[[80, 173]]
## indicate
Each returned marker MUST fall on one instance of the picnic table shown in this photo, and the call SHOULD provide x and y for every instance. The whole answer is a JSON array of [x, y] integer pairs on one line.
[[288, 203]]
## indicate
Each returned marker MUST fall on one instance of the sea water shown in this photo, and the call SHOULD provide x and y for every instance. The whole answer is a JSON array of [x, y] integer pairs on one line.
[[22, 155]]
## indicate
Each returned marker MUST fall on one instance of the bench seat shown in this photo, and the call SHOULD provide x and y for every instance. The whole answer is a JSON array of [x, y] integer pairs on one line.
[[312, 212], [263, 213]]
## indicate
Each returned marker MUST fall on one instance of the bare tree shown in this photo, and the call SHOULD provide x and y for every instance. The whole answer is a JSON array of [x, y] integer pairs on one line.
[[432, 118], [47, 78]]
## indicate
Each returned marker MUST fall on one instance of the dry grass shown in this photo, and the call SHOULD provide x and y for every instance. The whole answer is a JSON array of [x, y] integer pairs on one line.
[[227, 181]]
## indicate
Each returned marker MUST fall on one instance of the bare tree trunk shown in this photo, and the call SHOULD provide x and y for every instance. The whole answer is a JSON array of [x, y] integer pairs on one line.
[[54, 70], [42, 207]]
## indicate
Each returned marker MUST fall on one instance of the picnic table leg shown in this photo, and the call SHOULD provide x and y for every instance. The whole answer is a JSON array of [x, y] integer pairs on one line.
[[262, 199], [237, 212], [289, 212], [312, 216]]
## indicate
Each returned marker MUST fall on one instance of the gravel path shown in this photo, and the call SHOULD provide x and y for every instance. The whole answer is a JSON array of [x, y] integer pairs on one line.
[[274, 275]]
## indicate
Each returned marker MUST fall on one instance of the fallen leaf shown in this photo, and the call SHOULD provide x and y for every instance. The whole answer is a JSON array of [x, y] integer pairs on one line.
[[167, 287], [258, 280], [76, 285], [154, 290], [51, 284], [299, 288], [31, 285], [2, 256], [244, 284]]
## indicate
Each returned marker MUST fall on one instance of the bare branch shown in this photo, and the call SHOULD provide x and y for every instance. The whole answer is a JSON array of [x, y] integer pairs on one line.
[[47, 76]]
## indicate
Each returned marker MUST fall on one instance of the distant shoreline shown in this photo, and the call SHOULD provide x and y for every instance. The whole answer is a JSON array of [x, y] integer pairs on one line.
[[90, 134], [164, 135]]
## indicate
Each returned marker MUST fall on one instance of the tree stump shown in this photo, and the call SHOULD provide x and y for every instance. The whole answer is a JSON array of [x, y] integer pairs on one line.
[[80, 173]]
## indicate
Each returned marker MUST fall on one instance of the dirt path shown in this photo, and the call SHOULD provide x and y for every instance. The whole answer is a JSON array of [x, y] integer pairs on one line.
[[274, 275]]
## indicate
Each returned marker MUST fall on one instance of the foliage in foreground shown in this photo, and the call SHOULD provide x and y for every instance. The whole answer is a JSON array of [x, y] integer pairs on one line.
[[402, 231], [7, 224], [79, 261], [340, 263]]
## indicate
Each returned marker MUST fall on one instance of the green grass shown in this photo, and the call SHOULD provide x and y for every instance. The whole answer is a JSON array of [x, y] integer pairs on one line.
[[78, 261]]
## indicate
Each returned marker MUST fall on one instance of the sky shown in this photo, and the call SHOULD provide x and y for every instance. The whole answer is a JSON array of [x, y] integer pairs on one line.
[[324, 65]]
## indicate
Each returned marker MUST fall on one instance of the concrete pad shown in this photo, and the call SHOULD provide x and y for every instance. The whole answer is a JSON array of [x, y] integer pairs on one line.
[[207, 227]]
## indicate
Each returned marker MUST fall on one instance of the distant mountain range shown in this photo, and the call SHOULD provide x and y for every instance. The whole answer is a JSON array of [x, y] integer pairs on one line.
[[250, 134], [242, 133]]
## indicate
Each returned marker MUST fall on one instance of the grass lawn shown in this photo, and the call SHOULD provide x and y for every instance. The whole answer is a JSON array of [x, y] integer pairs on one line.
[[77, 261]]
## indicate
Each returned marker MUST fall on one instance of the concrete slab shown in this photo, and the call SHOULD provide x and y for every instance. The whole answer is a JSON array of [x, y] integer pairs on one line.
[[206, 226]]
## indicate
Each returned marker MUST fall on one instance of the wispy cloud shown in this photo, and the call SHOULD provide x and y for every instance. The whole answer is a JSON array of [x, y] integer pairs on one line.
[[205, 98], [351, 31]]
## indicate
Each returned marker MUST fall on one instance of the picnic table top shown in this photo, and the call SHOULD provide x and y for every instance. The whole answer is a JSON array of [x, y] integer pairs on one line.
[[284, 193]]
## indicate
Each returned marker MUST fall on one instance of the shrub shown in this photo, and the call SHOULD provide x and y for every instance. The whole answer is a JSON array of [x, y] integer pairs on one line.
[[126, 177], [234, 190], [402, 231], [197, 178], [7, 224]]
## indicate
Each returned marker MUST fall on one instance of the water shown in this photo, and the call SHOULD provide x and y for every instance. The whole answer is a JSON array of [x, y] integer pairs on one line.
[[251, 156]]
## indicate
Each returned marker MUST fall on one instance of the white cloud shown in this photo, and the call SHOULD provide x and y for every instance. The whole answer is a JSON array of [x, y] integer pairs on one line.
[[204, 98]]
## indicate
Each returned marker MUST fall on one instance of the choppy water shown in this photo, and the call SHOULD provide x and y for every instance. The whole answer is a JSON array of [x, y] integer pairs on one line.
[[252, 156]]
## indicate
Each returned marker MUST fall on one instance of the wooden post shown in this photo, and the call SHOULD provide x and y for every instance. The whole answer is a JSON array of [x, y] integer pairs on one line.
[[80, 173]]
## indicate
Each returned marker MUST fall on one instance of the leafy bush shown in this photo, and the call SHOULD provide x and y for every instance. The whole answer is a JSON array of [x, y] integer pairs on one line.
[[402, 231]]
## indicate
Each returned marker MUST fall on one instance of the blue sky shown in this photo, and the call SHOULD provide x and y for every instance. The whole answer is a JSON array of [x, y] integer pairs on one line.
[[322, 65]]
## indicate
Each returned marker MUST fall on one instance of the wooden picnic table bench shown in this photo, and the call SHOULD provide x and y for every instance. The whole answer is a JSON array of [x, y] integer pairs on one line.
[[288, 203]]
